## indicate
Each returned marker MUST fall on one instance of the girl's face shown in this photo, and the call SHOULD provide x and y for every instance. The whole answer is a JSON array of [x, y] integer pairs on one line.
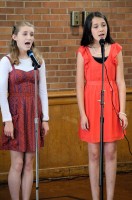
[[98, 29], [24, 38]]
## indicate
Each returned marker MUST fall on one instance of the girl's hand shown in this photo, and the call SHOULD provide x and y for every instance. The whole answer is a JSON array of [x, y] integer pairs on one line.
[[84, 123], [45, 127], [123, 120], [9, 129]]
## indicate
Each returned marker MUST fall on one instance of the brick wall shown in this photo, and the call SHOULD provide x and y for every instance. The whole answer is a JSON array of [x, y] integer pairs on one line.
[[58, 41]]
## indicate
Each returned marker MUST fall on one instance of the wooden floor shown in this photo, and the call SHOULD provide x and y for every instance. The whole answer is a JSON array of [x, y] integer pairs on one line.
[[74, 189]]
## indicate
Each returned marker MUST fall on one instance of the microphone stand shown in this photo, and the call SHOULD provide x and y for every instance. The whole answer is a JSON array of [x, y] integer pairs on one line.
[[36, 65], [102, 125], [36, 131]]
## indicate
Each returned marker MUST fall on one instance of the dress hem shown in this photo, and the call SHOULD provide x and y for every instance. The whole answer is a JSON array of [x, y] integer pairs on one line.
[[108, 140]]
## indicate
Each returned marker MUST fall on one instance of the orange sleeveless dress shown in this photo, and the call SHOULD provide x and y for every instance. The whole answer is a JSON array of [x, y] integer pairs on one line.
[[21, 89], [92, 94]]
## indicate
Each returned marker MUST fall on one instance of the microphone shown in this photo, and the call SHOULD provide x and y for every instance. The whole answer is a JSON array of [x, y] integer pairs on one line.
[[102, 42], [35, 62]]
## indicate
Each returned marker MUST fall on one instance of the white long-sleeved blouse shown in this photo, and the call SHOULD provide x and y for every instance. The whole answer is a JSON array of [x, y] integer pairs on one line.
[[25, 65]]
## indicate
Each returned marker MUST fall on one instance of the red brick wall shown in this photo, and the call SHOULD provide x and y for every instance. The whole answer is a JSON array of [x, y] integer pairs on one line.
[[58, 41]]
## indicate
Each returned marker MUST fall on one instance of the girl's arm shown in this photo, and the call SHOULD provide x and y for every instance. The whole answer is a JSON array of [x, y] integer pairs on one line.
[[122, 90], [5, 68], [80, 91], [44, 97]]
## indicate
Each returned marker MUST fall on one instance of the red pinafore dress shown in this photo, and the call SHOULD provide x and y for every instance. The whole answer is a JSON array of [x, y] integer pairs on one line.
[[21, 89]]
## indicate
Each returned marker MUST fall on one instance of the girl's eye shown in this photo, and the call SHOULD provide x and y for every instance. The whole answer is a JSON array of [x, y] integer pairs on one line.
[[31, 34]]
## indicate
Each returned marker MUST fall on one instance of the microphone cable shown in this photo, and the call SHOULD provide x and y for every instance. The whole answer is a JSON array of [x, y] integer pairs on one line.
[[129, 147]]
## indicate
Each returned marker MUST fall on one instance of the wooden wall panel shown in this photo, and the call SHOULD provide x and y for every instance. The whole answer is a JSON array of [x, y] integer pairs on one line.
[[64, 154]]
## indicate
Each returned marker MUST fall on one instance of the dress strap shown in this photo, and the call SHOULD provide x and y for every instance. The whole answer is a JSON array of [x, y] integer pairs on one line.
[[11, 62]]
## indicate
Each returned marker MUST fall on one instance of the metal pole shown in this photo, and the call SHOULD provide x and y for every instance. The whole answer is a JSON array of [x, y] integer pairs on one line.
[[102, 125], [36, 134], [36, 65]]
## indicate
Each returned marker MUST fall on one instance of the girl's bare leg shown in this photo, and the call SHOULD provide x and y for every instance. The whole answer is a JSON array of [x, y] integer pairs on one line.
[[93, 151], [110, 153], [14, 177], [27, 176]]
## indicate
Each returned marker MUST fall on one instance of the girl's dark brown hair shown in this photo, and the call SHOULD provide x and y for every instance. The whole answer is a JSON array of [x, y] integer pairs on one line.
[[87, 37]]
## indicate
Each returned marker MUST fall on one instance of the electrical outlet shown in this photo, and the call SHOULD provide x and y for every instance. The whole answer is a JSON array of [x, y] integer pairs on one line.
[[84, 16], [75, 18]]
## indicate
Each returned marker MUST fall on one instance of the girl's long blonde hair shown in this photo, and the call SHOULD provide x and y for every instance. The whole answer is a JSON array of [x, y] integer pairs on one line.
[[13, 48]]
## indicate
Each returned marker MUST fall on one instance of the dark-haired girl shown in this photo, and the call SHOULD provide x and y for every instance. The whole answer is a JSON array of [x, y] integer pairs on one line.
[[89, 80]]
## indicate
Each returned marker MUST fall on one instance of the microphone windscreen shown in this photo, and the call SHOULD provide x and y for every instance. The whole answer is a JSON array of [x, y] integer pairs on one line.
[[102, 42], [29, 53]]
